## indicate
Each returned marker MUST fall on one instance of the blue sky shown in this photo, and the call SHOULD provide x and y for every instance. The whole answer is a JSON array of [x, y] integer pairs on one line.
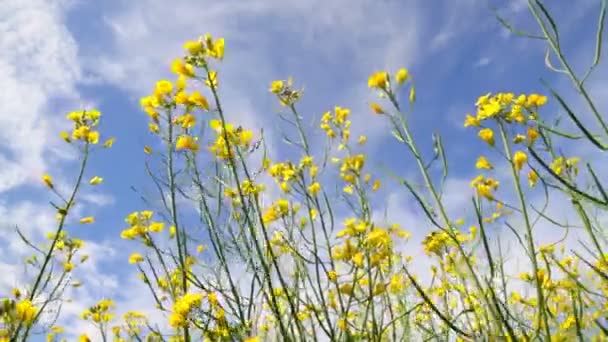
[[62, 55]]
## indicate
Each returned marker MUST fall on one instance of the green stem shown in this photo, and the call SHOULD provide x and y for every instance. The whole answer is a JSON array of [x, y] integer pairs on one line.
[[542, 317]]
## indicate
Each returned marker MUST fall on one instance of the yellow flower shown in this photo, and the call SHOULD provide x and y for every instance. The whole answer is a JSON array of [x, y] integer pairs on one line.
[[181, 98], [358, 258], [75, 116], [532, 135], [147, 150], [68, 266], [378, 80], [163, 87], [536, 100], [569, 322], [93, 137], [180, 84], [183, 69], [342, 324], [313, 171], [176, 320], [376, 185], [135, 258], [95, 180], [482, 100], [518, 139], [485, 186], [46, 178], [348, 189], [57, 329], [199, 100], [187, 142], [86, 220], [65, 136], [519, 159], [376, 108], [211, 81], [252, 339], [216, 125], [402, 76], [218, 48], [490, 109], [557, 165], [152, 127], [532, 178], [193, 47], [483, 163], [306, 161], [276, 86], [213, 298], [487, 135], [245, 137], [156, 227], [84, 338], [81, 132], [109, 143], [25, 311], [470, 120], [397, 284], [187, 120], [314, 188]]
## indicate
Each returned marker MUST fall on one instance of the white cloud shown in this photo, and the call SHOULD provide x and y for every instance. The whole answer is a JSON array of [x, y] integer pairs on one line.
[[483, 61], [39, 71], [38, 62]]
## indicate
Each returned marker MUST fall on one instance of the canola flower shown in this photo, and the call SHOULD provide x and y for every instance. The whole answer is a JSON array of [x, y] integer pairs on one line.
[[311, 273]]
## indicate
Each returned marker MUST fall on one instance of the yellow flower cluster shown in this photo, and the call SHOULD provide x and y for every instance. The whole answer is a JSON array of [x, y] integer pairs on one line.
[[167, 96], [337, 123], [350, 170], [561, 165], [182, 308], [163, 98], [65, 242], [485, 186], [25, 311], [439, 242], [509, 108], [187, 142], [84, 123], [277, 210], [279, 243], [284, 91], [366, 245], [206, 47], [135, 258], [284, 173], [134, 320], [381, 80], [140, 225], [228, 138], [100, 312], [249, 188]]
